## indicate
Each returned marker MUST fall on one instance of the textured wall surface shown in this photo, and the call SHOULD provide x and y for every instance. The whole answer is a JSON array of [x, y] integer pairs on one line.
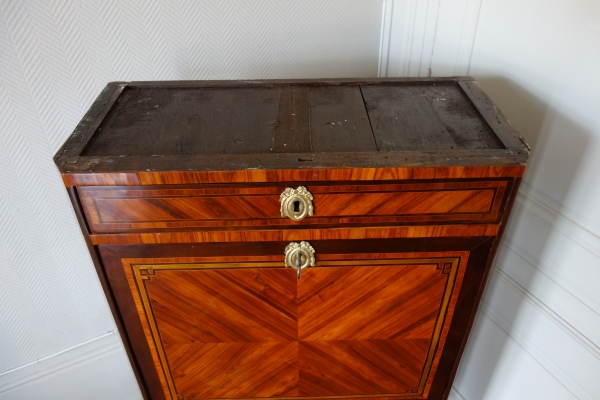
[[537, 336], [56, 56]]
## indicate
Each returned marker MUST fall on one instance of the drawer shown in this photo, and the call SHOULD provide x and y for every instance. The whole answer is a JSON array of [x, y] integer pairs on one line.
[[231, 321], [156, 208]]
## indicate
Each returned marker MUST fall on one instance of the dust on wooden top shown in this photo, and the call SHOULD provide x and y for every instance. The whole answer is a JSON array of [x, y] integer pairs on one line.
[[202, 118]]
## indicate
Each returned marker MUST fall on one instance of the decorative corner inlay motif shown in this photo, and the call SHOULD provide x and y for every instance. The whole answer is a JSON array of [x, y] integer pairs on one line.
[[147, 271]]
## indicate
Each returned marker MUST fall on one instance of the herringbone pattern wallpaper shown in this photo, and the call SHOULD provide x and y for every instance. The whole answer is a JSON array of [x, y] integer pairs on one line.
[[55, 57]]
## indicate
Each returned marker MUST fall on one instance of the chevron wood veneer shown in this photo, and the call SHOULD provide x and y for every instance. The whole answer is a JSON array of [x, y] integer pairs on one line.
[[349, 327], [369, 288]]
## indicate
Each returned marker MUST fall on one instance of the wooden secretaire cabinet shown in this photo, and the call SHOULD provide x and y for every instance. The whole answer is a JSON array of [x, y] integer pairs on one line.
[[293, 239]]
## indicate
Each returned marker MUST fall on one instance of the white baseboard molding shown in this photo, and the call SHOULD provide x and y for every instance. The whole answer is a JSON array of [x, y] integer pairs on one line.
[[97, 369]]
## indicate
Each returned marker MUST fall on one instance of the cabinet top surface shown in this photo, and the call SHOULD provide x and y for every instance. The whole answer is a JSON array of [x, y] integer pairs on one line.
[[275, 124]]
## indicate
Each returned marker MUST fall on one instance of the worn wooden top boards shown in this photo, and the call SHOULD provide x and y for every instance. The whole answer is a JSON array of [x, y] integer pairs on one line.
[[285, 125]]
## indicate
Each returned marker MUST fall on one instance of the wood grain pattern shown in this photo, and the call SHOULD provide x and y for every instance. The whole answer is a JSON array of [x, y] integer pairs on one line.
[[185, 122], [403, 119], [339, 121], [325, 259], [152, 209], [461, 119], [249, 305], [92, 178], [447, 119], [357, 303], [494, 117], [235, 370], [222, 351], [405, 203], [330, 250], [292, 127], [361, 367], [234, 349], [483, 255], [314, 223], [310, 167], [294, 235]]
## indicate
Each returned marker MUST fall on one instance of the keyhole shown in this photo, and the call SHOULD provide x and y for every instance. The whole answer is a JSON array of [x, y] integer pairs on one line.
[[298, 264], [296, 206]]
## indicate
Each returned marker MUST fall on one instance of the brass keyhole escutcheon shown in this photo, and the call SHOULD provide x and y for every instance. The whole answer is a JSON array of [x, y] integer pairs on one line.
[[296, 204], [299, 256]]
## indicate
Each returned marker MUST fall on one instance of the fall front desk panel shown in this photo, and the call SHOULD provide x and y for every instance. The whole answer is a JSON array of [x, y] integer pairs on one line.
[[229, 321]]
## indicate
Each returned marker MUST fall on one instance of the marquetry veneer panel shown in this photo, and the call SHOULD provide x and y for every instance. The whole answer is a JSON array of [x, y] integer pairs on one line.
[[353, 327]]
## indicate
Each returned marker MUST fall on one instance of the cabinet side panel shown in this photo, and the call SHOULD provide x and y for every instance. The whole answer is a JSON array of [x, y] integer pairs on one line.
[[131, 323], [110, 298], [489, 253]]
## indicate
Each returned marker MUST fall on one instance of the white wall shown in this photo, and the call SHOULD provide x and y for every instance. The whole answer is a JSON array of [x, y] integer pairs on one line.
[[538, 333], [55, 57]]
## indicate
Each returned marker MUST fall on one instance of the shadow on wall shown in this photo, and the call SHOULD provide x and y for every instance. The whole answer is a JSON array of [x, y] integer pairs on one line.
[[487, 359]]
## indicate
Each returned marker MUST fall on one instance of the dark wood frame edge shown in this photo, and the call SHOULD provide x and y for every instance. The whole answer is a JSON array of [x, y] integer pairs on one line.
[[72, 148], [492, 115], [484, 280], [459, 328], [288, 82], [94, 254], [292, 161]]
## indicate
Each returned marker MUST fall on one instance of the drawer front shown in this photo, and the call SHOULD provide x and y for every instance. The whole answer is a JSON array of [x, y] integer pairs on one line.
[[243, 326], [110, 209]]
